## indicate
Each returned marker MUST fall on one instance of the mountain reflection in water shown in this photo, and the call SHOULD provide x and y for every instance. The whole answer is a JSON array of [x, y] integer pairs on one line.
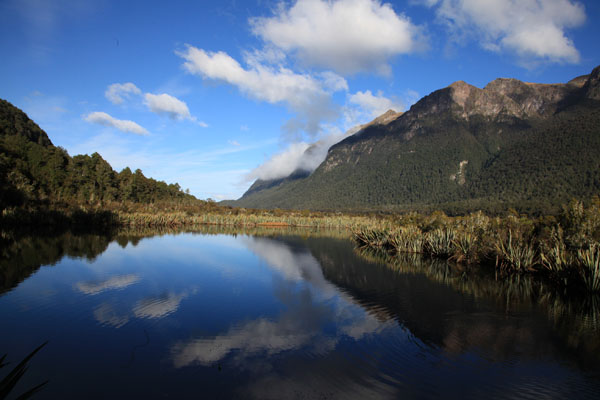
[[283, 314]]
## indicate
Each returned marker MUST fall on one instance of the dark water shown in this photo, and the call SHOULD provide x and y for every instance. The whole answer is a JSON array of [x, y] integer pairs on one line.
[[281, 316]]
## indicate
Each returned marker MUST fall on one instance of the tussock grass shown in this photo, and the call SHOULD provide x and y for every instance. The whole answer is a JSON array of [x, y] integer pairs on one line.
[[407, 239], [440, 242], [566, 249], [589, 263], [516, 254]]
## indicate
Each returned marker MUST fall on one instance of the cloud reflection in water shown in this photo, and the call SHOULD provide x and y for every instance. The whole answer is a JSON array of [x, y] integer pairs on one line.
[[308, 308], [112, 283], [159, 306]]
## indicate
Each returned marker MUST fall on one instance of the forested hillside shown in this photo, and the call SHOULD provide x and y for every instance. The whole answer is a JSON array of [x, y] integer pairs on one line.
[[513, 144], [33, 170]]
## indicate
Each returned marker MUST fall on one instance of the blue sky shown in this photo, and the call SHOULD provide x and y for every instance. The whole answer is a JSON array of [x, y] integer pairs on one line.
[[214, 94]]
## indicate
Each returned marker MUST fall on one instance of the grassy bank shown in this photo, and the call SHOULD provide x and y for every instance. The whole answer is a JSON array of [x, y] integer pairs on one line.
[[178, 214], [565, 248]]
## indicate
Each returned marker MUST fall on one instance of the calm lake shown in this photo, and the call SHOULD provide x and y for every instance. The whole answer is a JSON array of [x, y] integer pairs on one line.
[[281, 314]]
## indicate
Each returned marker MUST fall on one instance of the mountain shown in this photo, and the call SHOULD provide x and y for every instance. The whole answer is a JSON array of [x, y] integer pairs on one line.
[[34, 171], [511, 144]]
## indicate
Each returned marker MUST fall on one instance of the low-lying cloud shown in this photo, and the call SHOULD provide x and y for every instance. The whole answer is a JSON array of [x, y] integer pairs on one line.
[[300, 156], [102, 118]]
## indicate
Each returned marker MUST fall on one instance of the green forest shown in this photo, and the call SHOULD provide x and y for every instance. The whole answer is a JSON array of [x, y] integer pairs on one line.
[[34, 172], [533, 165]]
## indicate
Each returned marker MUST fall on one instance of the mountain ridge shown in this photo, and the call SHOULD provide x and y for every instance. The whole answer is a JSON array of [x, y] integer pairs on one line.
[[470, 134]]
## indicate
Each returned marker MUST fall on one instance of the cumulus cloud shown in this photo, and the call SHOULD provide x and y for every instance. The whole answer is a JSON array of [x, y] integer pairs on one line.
[[103, 118], [118, 92], [347, 36], [115, 282], [168, 105], [533, 29], [374, 105], [302, 93], [299, 156]]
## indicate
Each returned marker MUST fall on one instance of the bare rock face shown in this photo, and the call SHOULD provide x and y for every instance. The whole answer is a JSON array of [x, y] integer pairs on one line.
[[592, 86], [579, 81], [509, 97], [533, 99]]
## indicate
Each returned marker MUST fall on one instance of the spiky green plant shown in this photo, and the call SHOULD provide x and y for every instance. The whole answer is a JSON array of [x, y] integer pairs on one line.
[[465, 245], [515, 254], [554, 255], [8, 383], [371, 237], [407, 239], [440, 242], [589, 261]]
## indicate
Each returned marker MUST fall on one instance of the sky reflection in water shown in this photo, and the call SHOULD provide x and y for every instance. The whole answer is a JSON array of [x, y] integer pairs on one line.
[[283, 317]]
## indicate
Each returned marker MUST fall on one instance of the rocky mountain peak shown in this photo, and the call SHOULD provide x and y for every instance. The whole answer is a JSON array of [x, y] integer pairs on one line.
[[461, 91]]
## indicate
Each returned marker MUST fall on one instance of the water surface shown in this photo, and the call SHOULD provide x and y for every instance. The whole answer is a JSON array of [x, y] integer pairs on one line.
[[282, 315]]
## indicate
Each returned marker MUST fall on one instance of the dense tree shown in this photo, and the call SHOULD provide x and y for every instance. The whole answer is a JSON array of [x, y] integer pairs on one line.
[[33, 170]]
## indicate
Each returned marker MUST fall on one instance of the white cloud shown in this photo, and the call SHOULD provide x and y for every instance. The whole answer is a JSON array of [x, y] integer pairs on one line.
[[333, 81], [298, 156], [347, 36], [234, 142], [302, 93], [167, 105], [362, 108], [115, 282], [103, 118], [533, 29], [281, 164], [374, 105], [118, 92]]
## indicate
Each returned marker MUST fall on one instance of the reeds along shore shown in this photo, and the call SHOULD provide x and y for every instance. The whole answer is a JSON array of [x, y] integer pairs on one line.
[[565, 248], [126, 215]]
